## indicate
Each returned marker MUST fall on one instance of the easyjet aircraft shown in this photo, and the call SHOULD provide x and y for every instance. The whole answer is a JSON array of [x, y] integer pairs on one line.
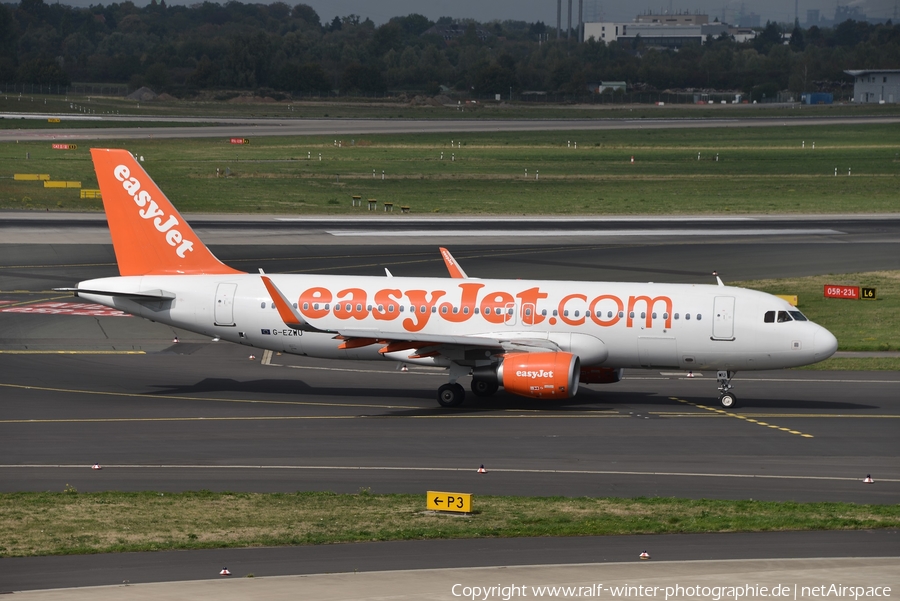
[[537, 339]]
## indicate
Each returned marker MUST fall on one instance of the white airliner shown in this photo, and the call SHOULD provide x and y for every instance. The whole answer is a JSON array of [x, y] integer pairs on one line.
[[537, 339]]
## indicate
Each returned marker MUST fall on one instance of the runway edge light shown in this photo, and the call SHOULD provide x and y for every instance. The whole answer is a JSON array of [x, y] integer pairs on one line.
[[645, 555], [868, 479], [224, 572], [481, 470]]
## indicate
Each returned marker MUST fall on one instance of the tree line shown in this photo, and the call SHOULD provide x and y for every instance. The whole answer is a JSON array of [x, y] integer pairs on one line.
[[278, 49]]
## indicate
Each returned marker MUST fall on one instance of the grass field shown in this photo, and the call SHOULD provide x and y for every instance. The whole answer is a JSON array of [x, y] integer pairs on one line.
[[69, 522], [739, 171]]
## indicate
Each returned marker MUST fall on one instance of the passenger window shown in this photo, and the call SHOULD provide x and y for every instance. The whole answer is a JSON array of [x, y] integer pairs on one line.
[[566, 313], [699, 317], [455, 310], [769, 317], [621, 314], [327, 306], [487, 310], [476, 310], [359, 308], [631, 315], [295, 305], [444, 310], [544, 312], [465, 310], [527, 312], [422, 309], [609, 315], [783, 317], [554, 313], [676, 316], [273, 306], [434, 309], [643, 315], [687, 316], [316, 306], [798, 316], [509, 311], [306, 306], [665, 316]]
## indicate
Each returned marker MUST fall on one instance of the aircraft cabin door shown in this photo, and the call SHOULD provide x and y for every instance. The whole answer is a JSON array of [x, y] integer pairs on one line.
[[723, 318], [225, 304]]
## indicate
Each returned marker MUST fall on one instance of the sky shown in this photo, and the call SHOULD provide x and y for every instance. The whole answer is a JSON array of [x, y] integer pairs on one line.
[[380, 11]]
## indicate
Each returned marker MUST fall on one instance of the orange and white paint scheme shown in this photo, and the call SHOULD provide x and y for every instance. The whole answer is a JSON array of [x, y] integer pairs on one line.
[[538, 339]]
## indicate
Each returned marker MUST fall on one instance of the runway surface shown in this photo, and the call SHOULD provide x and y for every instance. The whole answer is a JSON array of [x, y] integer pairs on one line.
[[317, 127], [199, 414]]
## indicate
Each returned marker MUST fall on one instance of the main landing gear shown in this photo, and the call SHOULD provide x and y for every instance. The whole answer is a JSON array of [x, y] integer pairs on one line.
[[484, 387], [726, 398], [452, 394]]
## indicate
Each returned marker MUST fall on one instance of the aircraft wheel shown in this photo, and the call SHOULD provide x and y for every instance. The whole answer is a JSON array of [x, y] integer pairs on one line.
[[484, 387], [451, 395], [728, 401]]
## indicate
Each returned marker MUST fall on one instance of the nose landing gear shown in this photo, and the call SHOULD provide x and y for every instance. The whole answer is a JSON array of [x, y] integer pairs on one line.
[[726, 398]]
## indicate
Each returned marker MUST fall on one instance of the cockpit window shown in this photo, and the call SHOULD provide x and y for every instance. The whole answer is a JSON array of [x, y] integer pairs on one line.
[[783, 317], [770, 317], [798, 316]]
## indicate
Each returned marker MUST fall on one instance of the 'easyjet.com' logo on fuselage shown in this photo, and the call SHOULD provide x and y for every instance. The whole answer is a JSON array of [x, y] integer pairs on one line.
[[150, 210], [471, 300]]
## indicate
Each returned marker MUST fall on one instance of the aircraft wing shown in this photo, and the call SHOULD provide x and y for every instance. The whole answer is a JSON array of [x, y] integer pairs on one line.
[[394, 341]]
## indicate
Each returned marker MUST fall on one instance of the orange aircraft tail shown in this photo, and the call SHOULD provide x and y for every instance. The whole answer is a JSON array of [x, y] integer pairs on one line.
[[149, 236]]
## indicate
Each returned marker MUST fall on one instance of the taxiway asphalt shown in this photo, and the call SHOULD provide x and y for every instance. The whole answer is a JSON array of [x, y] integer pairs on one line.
[[199, 414], [235, 127]]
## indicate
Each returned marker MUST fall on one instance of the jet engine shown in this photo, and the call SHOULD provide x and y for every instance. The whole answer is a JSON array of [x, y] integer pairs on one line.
[[535, 375]]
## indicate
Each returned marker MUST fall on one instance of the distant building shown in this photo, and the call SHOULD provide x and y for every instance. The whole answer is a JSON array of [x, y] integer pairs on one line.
[[612, 86], [876, 85], [749, 20], [673, 19], [812, 17], [656, 34]]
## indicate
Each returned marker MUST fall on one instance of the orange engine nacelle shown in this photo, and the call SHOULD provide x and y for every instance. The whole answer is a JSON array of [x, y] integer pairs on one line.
[[540, 375], [601, 375]]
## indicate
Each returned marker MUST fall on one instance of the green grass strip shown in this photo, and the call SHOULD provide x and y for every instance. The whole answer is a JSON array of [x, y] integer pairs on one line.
[[78, 523]]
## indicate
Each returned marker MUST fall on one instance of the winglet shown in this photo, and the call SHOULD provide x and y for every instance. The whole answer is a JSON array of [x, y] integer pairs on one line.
[[286, 311], [149, 236], [452, 266]]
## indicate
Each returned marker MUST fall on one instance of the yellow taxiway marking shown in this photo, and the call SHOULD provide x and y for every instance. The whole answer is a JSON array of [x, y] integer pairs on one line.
[[73, 352], [484, 415], [742, 417], [192, 398], [101, 420], [36, 300], [781, 415]]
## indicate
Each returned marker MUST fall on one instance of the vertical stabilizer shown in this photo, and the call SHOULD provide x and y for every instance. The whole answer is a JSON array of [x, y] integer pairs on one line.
[[149, 236]]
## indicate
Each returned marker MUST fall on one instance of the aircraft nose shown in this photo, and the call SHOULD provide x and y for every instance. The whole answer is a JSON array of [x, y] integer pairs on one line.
[[824, 343]]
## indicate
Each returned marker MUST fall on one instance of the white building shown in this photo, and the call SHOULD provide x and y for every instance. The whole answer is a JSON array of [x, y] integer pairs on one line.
[[658, 34], [876, 85]]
